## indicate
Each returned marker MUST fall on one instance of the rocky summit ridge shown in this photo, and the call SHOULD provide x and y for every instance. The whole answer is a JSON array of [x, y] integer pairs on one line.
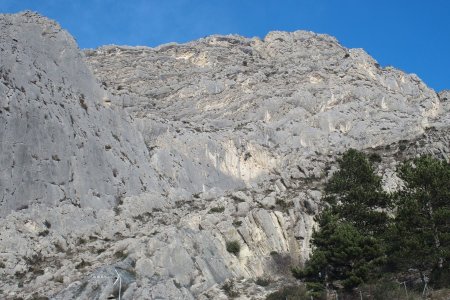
[[144, 162]]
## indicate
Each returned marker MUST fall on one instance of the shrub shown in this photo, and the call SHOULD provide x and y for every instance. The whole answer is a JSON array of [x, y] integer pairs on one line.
[[237, 223], [284, 206], [263, 281], [83, 103], [229, 289], [47, 224], [121, 254], [375, 158], [233, 247], [217, 209], [45, 232]]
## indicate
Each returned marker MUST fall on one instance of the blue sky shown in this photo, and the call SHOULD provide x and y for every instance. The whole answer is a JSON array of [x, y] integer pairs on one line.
[[413, 35]]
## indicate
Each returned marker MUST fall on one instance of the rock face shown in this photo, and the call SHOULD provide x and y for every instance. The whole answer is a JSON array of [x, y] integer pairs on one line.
[[59, 141], [127, 170], [249, 107]]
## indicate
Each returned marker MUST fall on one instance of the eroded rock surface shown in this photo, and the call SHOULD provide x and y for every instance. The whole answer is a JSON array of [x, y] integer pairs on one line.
[[59, 143], [232, 110], [133, 177]]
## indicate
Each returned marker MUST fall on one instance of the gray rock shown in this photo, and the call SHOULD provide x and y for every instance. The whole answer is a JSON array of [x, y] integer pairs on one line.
[[59, 141], [269, 202], [243, 208], [112, 159]]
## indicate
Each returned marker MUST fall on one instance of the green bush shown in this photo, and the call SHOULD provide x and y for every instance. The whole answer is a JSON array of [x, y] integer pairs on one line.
[[237, 223], [263, 281], [233, 247], [375, 158], [284, 206], [229, 289], [217, 209]]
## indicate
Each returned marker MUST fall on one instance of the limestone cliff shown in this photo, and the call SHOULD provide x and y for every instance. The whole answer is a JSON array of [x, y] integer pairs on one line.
[[232, 110], [59, 142], [142, 163]]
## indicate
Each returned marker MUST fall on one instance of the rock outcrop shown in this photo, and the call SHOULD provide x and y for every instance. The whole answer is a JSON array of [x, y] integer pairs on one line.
[[232, 110], [127, 170], [59, 141]]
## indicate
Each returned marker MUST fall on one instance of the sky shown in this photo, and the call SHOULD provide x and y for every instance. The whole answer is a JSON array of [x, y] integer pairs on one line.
[[412, 35]]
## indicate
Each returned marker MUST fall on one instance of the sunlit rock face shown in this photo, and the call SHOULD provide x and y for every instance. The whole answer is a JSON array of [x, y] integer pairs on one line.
[[236, 109], [129, 169]]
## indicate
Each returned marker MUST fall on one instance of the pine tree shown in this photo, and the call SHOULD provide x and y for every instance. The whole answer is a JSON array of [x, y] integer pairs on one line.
[[348, 249], [342, 255], [420, 235], [355, 194]]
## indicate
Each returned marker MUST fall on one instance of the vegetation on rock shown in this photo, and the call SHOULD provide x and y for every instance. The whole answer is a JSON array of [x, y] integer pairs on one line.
[[364, 233], [233, 247], [348, 249], [420, 234]]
